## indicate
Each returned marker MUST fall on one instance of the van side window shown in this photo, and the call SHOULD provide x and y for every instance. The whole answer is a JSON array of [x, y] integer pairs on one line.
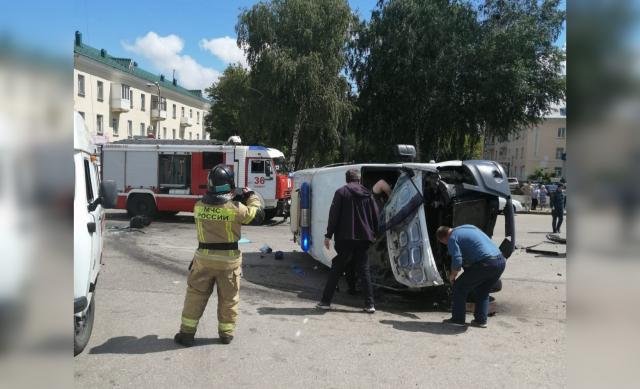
[[87, 180], [211, 159], [257, 166]]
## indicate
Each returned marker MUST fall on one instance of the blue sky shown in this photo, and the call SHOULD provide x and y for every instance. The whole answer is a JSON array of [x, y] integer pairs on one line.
[[188, 35]]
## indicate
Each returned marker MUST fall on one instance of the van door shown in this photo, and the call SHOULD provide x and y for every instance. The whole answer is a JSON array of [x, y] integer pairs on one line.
[[403, 218], [96, 217], [261, 179]]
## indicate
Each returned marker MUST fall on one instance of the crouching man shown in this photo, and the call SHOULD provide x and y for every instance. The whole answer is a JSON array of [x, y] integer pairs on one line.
[[483, 264]]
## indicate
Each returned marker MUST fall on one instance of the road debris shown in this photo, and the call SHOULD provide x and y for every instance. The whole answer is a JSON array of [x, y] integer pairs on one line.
[[279, 255], [265, 249]]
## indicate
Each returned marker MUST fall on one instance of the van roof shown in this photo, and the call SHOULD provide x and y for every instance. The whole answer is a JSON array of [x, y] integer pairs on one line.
[[82, 139]]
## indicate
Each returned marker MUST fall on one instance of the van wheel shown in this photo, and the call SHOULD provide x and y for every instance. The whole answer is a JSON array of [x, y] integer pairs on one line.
[[82, 327], [141, 205], [269, 214]]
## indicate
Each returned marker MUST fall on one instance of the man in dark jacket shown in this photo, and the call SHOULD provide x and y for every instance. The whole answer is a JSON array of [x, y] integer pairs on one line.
[[353, 220], [557, 209]]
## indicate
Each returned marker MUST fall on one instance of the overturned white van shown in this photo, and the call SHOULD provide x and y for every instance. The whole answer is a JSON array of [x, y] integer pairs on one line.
[[424, 196]]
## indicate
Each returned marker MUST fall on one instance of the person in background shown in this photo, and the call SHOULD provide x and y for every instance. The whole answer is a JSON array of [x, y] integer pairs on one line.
[[483, 264], [526, 192], [535, 193], [557, 209], [353, 222], [543, 197]]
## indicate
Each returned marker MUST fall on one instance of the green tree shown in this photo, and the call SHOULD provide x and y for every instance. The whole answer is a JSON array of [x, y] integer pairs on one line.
[[230, 97], [297, 51], [541, 174], [441, 74]]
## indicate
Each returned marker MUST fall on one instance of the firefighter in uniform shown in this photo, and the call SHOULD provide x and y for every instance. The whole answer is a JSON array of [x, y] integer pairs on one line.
[[217, 261]]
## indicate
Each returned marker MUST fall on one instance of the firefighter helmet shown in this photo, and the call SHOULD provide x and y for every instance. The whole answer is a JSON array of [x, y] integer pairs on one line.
[[220, 179]]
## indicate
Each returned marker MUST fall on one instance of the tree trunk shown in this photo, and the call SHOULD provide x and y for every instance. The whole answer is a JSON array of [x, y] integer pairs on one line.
[[293, 161], [417, 144]]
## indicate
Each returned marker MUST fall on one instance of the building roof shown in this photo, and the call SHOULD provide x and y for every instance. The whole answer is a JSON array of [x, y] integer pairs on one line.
[[127, 65]]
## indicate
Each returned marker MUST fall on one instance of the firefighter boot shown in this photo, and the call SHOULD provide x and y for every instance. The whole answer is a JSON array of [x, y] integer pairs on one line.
[[184, 339], [226, 338]]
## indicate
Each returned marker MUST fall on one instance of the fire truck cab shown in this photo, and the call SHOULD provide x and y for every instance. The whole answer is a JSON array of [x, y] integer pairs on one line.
[[169, 176]]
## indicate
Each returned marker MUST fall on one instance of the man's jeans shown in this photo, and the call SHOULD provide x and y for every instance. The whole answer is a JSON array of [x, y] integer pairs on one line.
[[556, 220], [478, 278], [349, 250]]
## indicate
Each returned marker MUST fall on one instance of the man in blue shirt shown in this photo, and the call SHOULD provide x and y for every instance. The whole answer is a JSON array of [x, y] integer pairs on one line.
[[483, 264]]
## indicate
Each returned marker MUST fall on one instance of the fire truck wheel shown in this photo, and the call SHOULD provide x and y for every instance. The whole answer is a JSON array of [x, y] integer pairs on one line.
[[269, 214], [141, 205]]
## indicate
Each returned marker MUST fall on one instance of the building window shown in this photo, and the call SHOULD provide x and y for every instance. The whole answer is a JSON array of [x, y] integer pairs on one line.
[[563, 111], [198, 136], [181, 112], [114, 126], [164, 132], [131, 100], [190, 114], [81, 114], [154, 103], [190, 135], [522, 153], [559, 152], [126, 92], [173, 111], [129, 128], [99, 128], [80, 85], [182, 133], [174, 133], [558, 172], [516, 153], [141, 129], [198, 117], [562, 132], [100, 91]]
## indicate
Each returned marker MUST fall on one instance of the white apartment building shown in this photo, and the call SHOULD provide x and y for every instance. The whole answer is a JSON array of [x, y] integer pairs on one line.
[[542, 146], [119, 100]]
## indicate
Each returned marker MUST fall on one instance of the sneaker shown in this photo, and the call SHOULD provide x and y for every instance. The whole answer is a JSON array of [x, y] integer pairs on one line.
[[225, 339], [369, 309], [184, 339], [454, 323], [324, 306], [479, 324]]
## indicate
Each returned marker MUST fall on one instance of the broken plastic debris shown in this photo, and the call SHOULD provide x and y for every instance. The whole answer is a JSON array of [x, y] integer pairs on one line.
[[279, 255], [244, 240], [265, 249]]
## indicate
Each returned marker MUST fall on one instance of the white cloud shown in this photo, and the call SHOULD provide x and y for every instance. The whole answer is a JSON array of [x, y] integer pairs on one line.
[[164, 54], [226, 49]]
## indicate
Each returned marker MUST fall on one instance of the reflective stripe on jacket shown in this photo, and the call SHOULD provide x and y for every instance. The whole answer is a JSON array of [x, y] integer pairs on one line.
[[221, 223]]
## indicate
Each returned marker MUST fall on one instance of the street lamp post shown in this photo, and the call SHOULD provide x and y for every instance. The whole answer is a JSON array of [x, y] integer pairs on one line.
[[158, 106]]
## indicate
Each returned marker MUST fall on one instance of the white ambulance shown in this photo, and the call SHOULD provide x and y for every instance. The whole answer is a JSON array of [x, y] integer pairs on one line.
[[424, 196]]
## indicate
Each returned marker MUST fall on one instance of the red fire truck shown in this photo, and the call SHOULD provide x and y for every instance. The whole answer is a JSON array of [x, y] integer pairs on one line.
[[169, 176]]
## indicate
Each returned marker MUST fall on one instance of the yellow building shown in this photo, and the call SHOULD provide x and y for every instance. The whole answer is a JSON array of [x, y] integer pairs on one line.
[[119, 100], [542, 146]]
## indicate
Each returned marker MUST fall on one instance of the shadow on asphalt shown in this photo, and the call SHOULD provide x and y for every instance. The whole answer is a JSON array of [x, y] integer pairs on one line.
[[431, 327], [145, 345]]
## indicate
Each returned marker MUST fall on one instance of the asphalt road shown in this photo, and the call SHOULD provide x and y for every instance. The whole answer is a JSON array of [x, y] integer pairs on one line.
[[283, 342]]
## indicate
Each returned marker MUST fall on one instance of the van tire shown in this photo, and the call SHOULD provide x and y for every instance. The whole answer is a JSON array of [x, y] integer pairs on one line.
[[82, 333], [141, 205]]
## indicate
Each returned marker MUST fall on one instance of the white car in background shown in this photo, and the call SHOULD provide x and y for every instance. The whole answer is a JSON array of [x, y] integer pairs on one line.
[[517, 205]]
